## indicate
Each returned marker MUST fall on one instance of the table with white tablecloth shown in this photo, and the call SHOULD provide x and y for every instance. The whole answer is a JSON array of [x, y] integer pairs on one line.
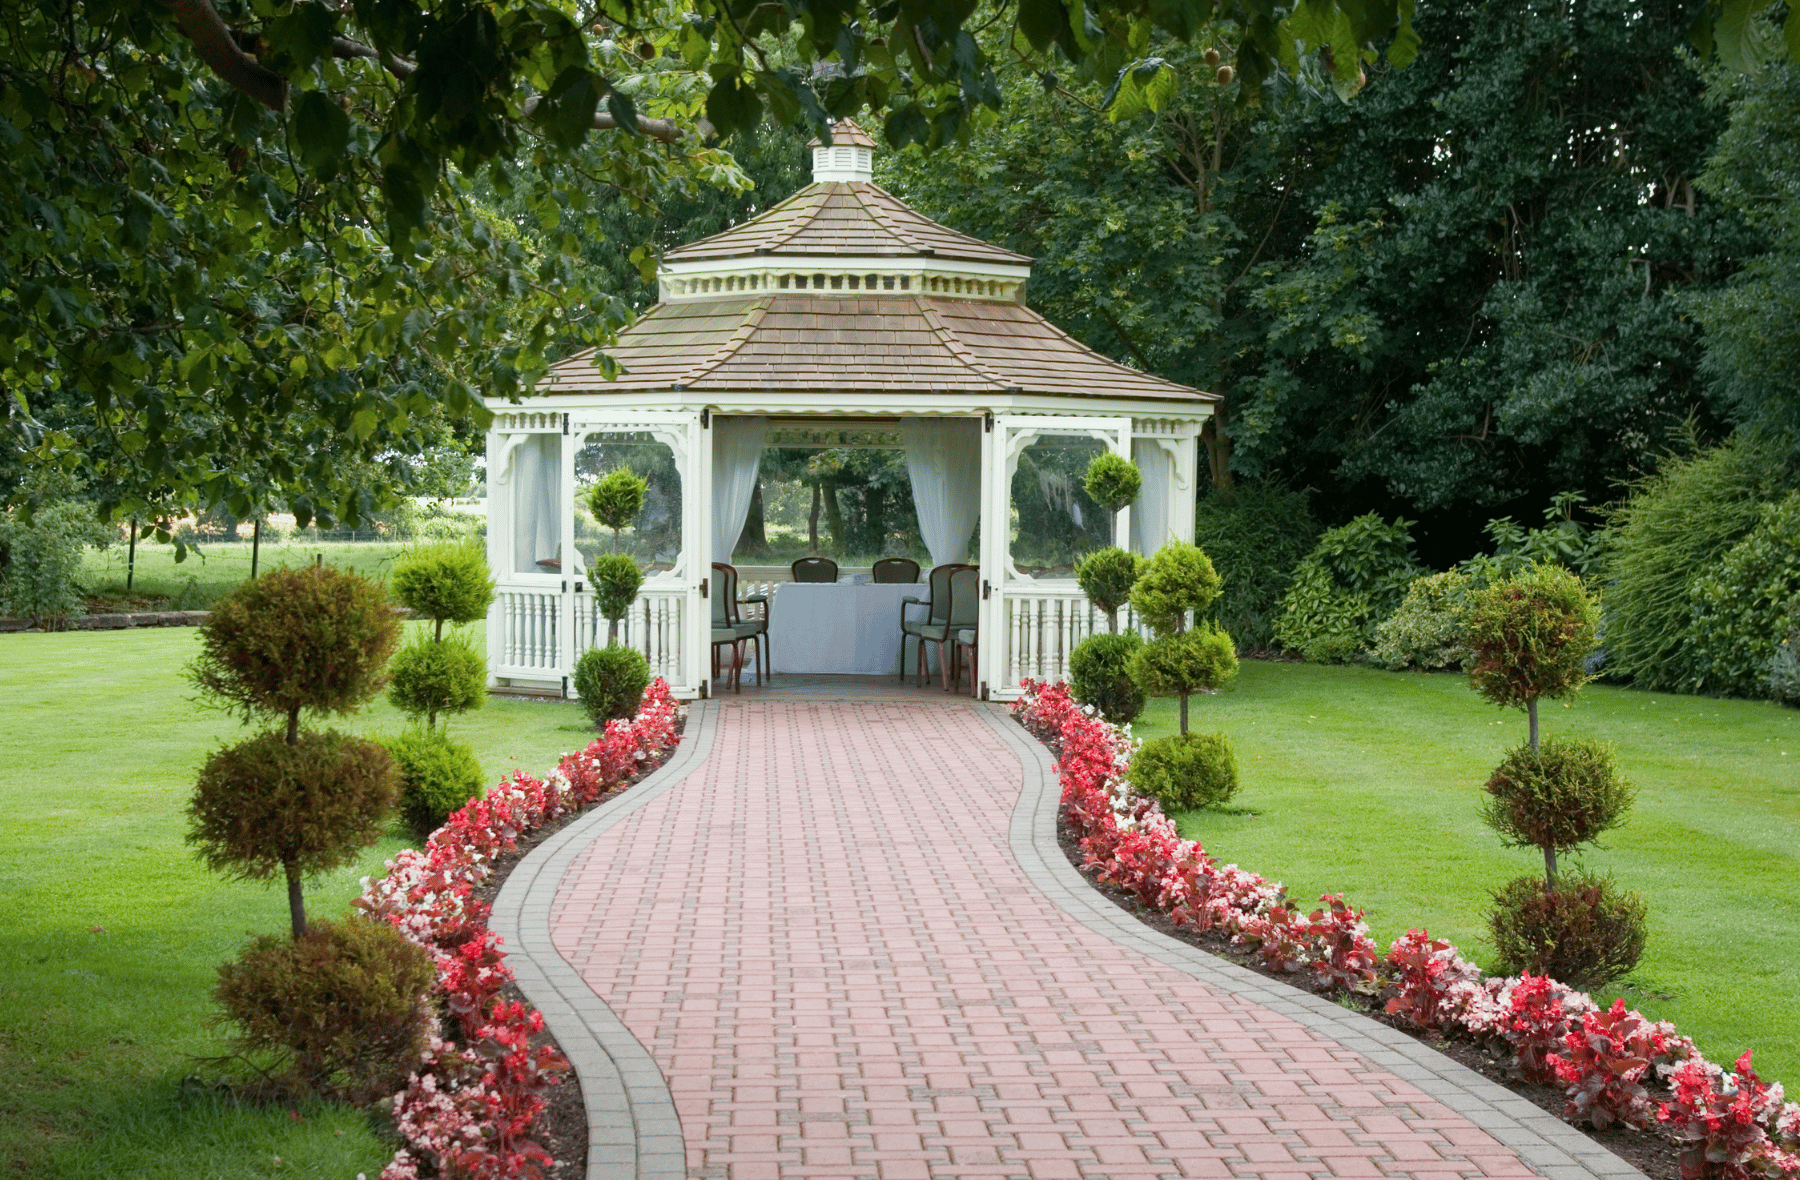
[[839, 627]]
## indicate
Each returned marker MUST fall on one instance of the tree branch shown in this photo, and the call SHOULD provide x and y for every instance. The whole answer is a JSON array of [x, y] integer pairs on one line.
[[661, 130], [219, 49]]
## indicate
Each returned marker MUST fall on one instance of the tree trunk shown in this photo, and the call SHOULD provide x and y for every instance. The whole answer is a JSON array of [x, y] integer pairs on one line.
[[296, 899], [1184, 723], [255, 546], [834, 519], [1218, 445], [1550, 866], [131, 557], [754, 540], [293, 729], [812, 521], [1531, 715]]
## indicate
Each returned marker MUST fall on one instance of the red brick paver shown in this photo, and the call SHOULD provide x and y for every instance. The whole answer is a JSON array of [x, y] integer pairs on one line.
[[824, 941]]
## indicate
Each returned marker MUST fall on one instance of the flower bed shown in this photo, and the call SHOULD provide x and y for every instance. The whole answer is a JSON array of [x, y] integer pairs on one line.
[[1726, 1125], [468, 1110]]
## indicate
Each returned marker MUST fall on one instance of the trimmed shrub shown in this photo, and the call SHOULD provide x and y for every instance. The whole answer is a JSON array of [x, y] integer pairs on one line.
[[437, 776], [1199, 660], [446, 582], [1429, 631], [1112, 481], [314, 639], [1676, 523], [1100, 675], [344, 1005], [1186, 770], [41, 558], [1742, 612], [616, 580], [1177, 581], [438, 676], [308, 807], [617, 499], [1558, 797], [1255, 535], [1356, 576], [1585, 933], [1107, 576], [611, 681], [1531, 635]]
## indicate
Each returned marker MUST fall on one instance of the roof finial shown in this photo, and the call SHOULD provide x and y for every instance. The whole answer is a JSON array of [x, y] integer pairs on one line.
[[851, 156]]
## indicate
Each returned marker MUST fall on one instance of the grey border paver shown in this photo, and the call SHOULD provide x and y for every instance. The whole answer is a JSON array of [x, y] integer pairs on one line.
[[1544, 1142], [633, 1128]]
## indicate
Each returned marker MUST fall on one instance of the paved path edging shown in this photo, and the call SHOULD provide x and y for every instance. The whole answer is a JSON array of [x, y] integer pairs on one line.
[[1544, 1142], [633, 1128]]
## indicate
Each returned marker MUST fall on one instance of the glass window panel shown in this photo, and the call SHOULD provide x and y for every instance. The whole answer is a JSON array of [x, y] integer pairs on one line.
[[1054, 523], [654, 539]]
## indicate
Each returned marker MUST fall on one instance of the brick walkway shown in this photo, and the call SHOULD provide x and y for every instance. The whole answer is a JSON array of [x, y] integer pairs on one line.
[[823, 938]]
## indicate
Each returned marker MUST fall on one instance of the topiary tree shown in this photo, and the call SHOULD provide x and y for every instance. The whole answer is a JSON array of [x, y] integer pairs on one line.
[[313, 640], [1100, 675], [1112, 481], [616, 501], [1179, 582], [1531, 635], [1106, 576], [1184, 771], [611, 681], [447, 583], [1557, 797], [438, 776], [617, 580]]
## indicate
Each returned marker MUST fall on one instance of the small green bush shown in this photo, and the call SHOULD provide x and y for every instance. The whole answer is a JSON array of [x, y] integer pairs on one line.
[[1186, 770], [41, 558], [1356, 576], [445, 582], [264, 805], [313, 639], [438, 676], [1742, 611], [1100, 675], [1586, 932], [611, 682], [1255, 535], [1199, 660], [617, 580], [1531, 635], [437, 776], [1106, 576], [344, 1005], [1112, 481], [617, 499], [1177, 581], [1558, 797], [1430, 629], [1781, 676]]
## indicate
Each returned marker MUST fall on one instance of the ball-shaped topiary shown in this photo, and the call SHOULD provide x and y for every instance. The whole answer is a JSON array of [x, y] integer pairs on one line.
[[314, 639], [1186, 770], [437, 776], [1186, 662], [1177, 580], [1586, 932], [345, 1005], [1558, 797], [1100, 675], [611, 682], [438, 676], [617, 580], [303, 808], [447, 582], [1531, 635], [617, 499], [1112, 481], [1106, 576]]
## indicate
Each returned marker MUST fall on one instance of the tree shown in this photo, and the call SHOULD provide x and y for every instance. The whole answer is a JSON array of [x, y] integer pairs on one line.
[[1531, 635], [1107, 576], [1179, 582], [1112, 481], [446, 583], [617, 499], [313, 640]]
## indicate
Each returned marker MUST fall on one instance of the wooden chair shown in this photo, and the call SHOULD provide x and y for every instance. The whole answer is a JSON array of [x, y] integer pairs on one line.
[[937, 611], [967, 641], [730, 627], [815, 569], [896, 569], [939, 620], [965, 610]]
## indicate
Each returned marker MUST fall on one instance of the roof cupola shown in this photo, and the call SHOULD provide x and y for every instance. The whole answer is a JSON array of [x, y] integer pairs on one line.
[[851, 156]]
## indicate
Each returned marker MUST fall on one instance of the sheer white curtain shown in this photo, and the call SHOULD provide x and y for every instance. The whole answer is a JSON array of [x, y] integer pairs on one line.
[[737, 451], [537, 498], [1150, 515], [943, 457]]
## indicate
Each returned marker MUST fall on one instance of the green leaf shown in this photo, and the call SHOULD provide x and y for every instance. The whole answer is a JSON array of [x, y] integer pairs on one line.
[[623, 110], [1734, 34], [322, 129], [303, 35], [1041, 21], [567, 112], [733, 104]]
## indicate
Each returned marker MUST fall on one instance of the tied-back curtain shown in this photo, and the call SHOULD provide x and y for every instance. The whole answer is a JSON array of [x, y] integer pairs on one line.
[[1150, 515], [737, 453], [537, 494], [943, 457]]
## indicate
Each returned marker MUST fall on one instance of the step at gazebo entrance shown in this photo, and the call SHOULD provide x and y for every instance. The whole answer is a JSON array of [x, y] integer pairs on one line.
[[839, 315]]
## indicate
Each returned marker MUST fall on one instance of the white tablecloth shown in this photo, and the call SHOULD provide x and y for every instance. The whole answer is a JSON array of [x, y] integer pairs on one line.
[[839, 628]]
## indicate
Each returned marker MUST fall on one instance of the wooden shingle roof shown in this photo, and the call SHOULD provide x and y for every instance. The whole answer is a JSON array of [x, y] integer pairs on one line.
[[856, 344]]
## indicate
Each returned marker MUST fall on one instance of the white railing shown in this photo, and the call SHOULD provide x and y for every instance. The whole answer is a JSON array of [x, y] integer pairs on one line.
[[529, 619], [653, 626], [1043, 628]]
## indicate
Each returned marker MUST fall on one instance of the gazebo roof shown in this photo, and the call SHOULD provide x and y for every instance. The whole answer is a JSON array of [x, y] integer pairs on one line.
[[842, 287]]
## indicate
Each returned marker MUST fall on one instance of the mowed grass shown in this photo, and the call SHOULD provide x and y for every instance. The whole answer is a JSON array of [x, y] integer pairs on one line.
[[208, 572], [1369, 783], [100, 742]]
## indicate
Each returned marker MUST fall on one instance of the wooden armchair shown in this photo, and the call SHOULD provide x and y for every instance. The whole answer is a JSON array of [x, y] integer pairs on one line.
[[815, 569]]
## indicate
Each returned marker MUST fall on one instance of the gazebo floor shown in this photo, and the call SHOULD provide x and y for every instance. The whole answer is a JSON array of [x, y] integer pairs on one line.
[[807, 686]]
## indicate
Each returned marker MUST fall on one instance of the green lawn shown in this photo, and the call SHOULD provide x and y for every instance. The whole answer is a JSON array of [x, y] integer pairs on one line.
[[194, 584], [1368, 783], [98, 1029]]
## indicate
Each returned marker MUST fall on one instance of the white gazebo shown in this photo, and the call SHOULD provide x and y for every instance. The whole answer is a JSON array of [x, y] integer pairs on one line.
[[840, 317]]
